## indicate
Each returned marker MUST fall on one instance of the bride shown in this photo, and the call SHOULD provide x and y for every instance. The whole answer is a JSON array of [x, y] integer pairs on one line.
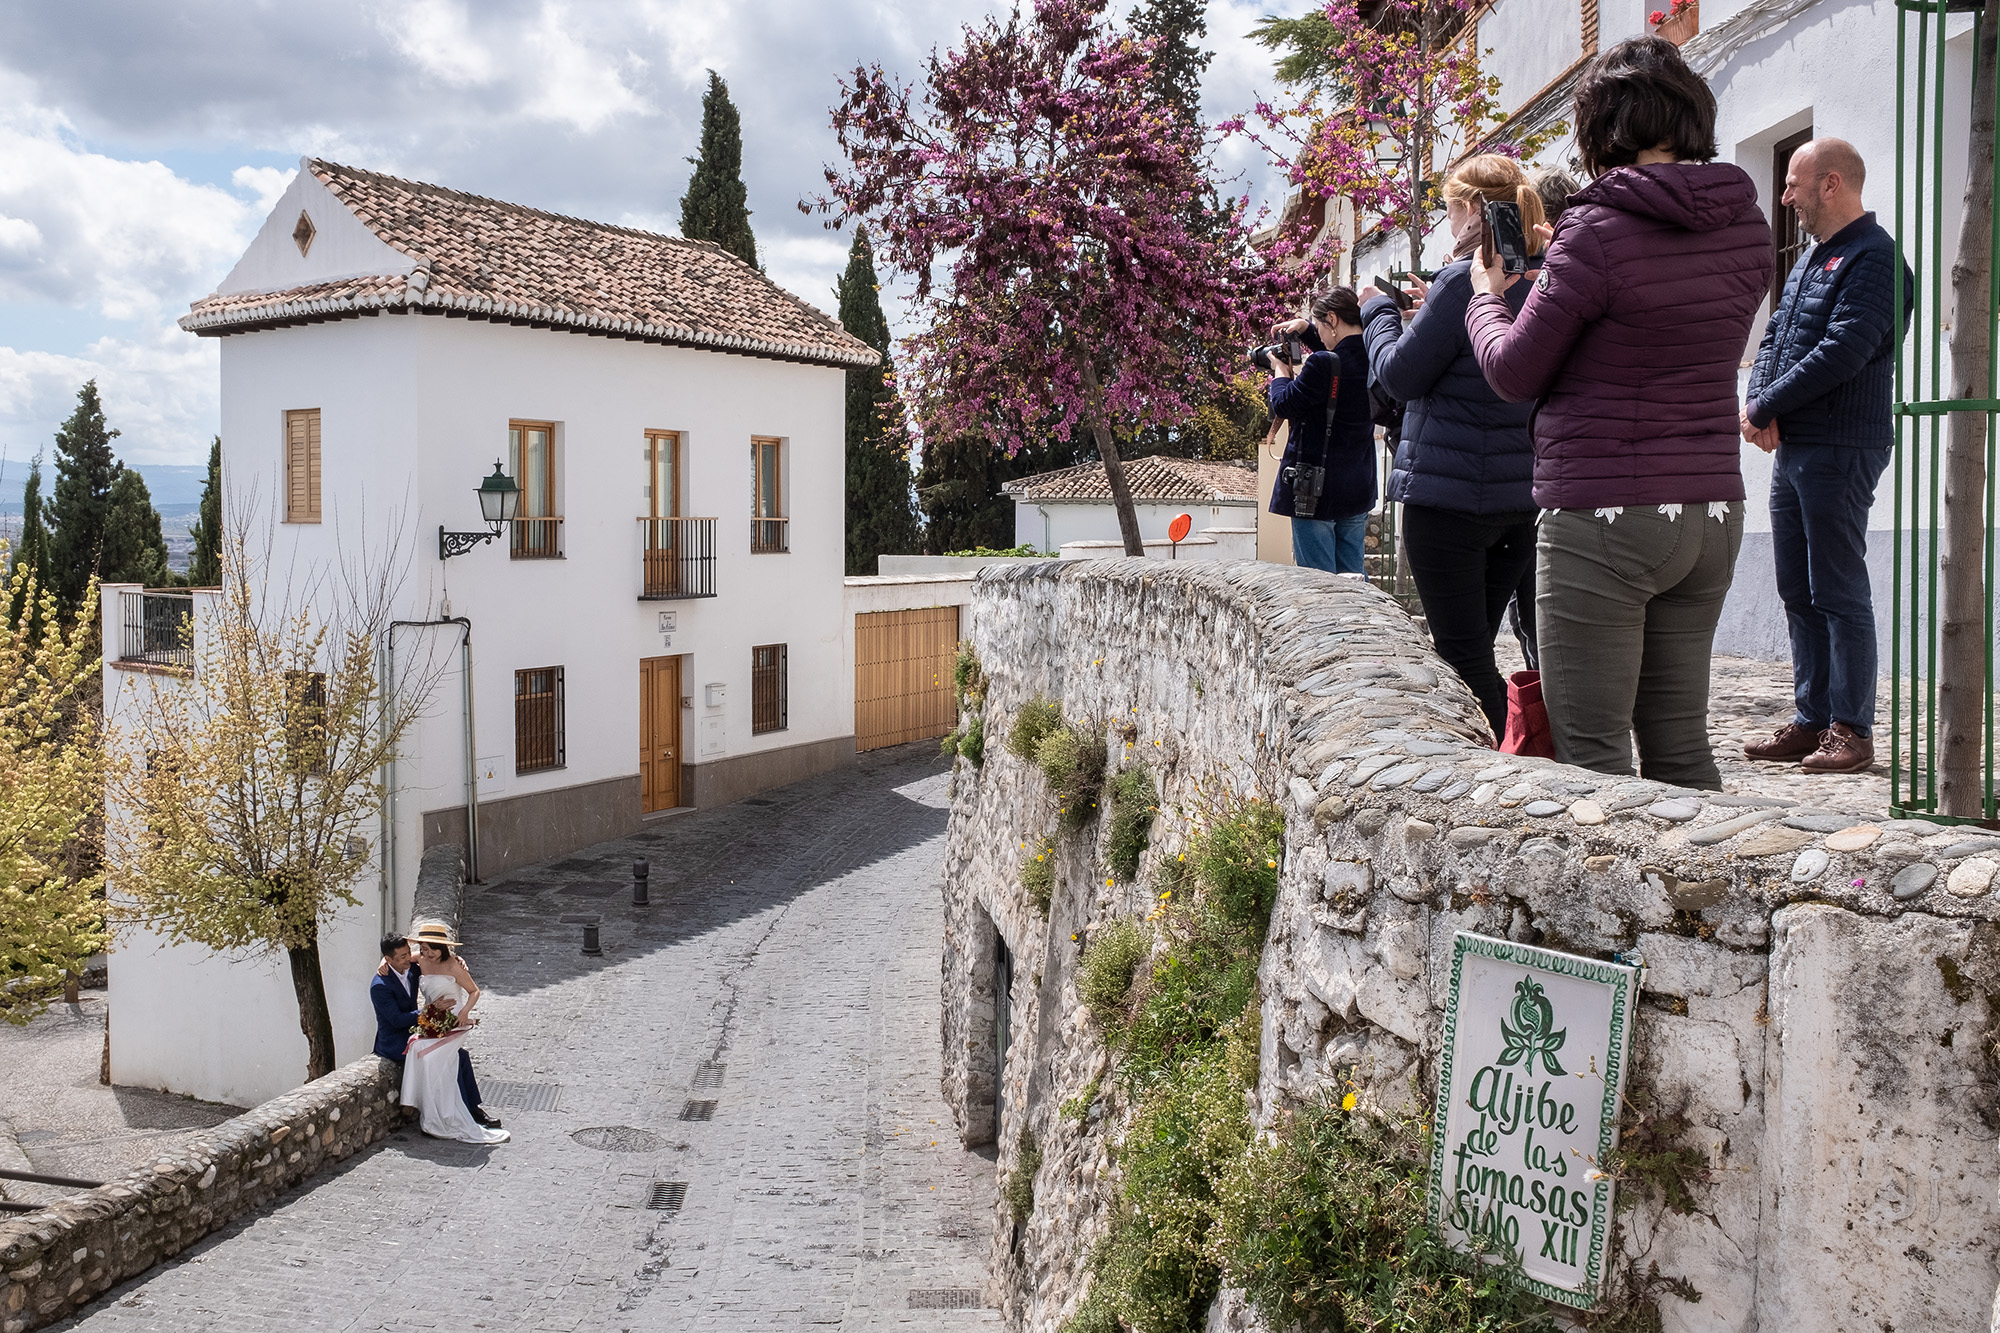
[[430, 1067]]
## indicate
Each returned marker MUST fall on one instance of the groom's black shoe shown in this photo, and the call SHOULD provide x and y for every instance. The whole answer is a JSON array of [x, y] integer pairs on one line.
[[486, 1118]]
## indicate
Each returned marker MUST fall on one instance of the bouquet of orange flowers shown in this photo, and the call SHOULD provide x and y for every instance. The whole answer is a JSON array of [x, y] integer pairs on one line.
[[435, 1021]]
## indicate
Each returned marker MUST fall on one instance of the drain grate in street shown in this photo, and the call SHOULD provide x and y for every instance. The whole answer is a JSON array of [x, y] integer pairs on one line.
[[757, 800], [944, 1298], [523, 1096], [576, 865], [589, 889], [668, 1195], [709, 1075], [617, 1138], [698, 1111]]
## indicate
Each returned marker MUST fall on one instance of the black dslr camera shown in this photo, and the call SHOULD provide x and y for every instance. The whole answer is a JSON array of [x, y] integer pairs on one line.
[[1291, 349]]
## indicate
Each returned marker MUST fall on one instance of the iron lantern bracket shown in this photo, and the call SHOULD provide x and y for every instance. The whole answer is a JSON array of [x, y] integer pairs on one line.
[[458, 543]]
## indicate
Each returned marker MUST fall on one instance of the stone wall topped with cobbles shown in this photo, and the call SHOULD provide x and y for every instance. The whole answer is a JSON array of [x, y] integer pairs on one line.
[[1820, 997]]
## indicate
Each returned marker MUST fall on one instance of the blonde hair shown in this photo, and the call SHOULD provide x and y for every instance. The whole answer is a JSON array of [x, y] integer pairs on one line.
[[1493, 178]]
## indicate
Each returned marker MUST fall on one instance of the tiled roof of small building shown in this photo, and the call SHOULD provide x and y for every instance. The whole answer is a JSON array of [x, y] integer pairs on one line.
[[486, 259], [1150, 479]]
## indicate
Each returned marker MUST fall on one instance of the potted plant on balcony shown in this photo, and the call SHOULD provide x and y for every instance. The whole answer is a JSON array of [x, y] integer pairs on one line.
[[1678, 22]]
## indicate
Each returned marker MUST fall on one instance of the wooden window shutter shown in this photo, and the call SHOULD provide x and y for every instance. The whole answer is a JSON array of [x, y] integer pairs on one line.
[[1590, 27], [302, 487]]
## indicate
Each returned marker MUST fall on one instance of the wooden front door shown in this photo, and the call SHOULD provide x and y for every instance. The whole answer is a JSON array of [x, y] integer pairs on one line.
[[659, 733]]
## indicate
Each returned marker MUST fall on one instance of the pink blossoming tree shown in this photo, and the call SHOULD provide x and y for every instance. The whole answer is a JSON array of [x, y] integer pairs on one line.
[[1040, 198], [1393, 101]]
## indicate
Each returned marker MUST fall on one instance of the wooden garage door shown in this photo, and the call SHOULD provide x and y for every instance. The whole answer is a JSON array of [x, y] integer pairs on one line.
[[902, 675]]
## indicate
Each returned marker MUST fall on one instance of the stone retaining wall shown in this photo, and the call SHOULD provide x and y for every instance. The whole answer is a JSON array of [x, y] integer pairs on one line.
[[70, 1252], [1820, 1000]]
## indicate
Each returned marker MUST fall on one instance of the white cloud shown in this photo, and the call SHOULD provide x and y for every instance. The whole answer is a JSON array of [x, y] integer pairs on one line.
[[437, 37], [267, 183], [161, 392]]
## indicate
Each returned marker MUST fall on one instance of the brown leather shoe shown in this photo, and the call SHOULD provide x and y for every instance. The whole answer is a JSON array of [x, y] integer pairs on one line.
[[1792, 742], [1840, 751]]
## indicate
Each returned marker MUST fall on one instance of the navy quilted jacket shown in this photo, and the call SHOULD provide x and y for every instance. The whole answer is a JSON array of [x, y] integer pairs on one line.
[[1633, 336], [1463, 447], [1826, 365]]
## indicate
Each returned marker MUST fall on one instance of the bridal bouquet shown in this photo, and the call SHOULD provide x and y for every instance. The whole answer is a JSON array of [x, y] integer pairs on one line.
[[435, 1021]]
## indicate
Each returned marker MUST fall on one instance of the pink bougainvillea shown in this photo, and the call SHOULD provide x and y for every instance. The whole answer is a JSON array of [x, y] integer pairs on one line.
[[1411, 99], [1072, 270]]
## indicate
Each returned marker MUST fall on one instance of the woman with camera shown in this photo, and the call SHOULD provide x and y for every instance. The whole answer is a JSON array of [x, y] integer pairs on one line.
[[1326, 483], [1629, 343], [1464, 463]]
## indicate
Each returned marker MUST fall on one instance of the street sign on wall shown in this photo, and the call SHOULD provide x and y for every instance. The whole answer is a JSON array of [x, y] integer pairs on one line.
[[1535, 1050]]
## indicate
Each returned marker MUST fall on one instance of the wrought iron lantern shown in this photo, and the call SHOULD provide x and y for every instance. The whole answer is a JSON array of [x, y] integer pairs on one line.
[[499, 503]]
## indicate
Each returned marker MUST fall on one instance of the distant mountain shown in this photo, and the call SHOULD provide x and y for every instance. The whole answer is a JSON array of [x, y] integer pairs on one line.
[[176, 487]]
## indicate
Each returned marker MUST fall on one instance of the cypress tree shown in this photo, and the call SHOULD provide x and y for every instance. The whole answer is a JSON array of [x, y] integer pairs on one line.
[[86, 469], [715, 207], [134, 550], [32, 553], [205, 565], [880, 514], [1178, 61], [958, 487]]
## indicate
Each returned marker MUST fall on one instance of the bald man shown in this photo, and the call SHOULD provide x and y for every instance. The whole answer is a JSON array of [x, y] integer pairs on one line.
[[1819, 399]]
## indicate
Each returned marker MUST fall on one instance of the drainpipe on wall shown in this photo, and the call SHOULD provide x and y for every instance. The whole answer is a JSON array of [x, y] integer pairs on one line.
[[1044, 511], [390, 891]]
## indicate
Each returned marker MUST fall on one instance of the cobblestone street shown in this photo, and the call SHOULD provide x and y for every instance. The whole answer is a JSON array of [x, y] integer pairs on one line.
[[787, 971]]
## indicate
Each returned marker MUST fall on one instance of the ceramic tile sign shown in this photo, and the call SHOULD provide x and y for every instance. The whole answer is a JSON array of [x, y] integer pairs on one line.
[[1535, 1049]]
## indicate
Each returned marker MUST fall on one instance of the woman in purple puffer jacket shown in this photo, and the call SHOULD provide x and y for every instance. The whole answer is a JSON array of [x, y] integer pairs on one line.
[[1630, 341]]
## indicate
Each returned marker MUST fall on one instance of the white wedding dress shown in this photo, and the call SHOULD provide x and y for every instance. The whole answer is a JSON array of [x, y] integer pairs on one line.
[[430, 1075]]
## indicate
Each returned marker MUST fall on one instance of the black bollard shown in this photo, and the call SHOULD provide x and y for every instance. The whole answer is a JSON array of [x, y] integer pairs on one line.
[[640, 870], [590, 940]]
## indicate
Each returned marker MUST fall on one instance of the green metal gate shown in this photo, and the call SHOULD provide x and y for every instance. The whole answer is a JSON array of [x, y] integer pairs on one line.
[[1917, 703]]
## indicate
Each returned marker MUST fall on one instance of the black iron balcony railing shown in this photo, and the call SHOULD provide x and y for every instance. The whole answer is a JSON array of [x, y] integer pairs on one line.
[[770, 536], [536, 539], [159, 628], [679, 558]]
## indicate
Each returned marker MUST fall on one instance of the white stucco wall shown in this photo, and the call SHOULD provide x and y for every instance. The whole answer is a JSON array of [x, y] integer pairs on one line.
[[414, 411], [1048, 525]]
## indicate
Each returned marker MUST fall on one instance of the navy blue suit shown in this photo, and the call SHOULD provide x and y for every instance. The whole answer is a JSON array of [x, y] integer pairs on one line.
[[396, 1012]]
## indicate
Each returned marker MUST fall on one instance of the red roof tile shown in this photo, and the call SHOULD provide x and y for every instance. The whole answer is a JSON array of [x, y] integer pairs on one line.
[[1150, 479], [483, 258]]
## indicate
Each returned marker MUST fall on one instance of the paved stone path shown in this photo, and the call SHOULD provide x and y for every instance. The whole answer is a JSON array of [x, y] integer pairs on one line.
[[787, 969]]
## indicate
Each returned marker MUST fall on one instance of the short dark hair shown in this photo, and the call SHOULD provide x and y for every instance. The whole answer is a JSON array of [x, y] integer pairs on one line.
[[1638, 95], [444, 950], [391, 943], [1341, 303]]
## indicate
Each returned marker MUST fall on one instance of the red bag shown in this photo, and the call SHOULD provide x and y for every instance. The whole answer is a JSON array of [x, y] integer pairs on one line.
[[1527, 717]]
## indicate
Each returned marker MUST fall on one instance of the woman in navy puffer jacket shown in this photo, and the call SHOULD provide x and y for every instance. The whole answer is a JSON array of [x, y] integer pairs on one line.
[[1464, 463], [1630, 341]]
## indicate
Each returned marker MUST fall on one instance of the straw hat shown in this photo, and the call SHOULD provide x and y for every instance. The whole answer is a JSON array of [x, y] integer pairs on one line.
[[432, 932]]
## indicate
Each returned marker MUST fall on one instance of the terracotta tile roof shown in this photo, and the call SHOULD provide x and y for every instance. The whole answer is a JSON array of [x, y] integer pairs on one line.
[[486, 259], [1150, 479]]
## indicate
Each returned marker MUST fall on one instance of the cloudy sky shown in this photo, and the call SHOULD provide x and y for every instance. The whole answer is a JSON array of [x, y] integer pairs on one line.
[[142, 144]]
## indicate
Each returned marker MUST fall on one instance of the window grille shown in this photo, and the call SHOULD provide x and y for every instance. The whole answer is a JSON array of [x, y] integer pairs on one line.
[[769, 689], [1789, 241], [538, 719]]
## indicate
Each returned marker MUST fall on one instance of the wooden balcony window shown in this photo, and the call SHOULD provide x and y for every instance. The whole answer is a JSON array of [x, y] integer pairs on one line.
[[536, 539], [678, 558]]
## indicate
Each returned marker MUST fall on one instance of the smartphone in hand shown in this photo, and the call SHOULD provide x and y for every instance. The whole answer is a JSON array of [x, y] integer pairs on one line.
[[1501, 233], [1393, 292]]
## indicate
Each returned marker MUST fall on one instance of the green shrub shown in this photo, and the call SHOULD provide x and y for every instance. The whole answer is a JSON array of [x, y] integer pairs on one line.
[[1194, 990], [1078, 1107], [1134, 802], [1028, 549], [968, 742], [1157, 1271], [1236, 861], [1328, 1227], [1073, 760], [1037, 718], [968, 678], [1019, 1191], [1038, 875], [1104, 977]]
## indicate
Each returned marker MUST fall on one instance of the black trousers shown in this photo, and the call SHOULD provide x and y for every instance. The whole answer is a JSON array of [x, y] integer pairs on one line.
[[1467, 566]]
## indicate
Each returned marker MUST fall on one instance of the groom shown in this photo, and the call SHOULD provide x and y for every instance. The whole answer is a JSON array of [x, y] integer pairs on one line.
[[396, 1009]]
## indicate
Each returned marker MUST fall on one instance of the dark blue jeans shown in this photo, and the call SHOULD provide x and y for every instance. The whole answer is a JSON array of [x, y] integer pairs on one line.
[[1820, 498]]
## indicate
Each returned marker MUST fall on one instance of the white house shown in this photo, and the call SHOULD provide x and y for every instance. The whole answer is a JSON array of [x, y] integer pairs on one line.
[[1073, 504], [661, 627]]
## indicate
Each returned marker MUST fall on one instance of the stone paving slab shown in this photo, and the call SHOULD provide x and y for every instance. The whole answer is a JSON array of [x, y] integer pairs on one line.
[[794, 942]]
